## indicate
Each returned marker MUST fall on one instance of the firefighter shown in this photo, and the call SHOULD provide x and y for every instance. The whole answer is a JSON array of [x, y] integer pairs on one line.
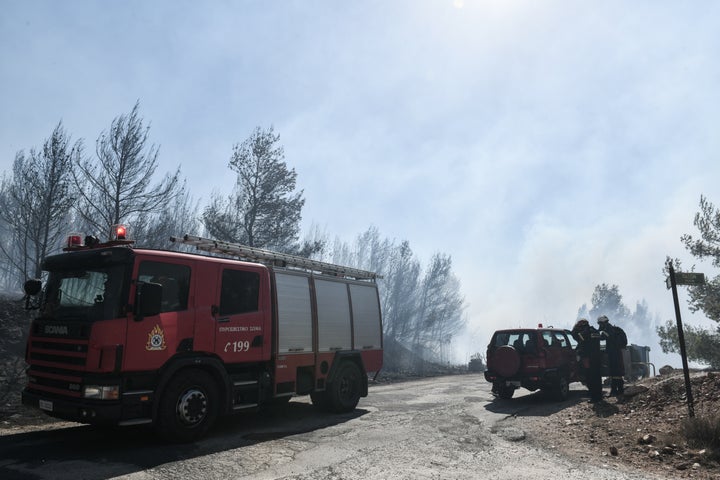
[[615, 343], [588, 349]]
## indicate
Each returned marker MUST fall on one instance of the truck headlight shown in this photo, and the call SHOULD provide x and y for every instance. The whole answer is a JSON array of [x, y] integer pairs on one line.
[[102, 392]]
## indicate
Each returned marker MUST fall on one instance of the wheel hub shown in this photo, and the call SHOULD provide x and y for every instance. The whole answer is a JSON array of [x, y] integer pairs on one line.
[[347, 387], [192, 407]]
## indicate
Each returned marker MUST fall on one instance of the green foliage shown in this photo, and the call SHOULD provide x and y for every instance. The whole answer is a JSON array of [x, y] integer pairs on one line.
[[706, 297], [607, 300], [707, 221], [701, 345], [264, 210]]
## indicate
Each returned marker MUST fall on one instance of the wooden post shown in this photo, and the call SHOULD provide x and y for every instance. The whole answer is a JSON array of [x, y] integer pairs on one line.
[[681, 341]]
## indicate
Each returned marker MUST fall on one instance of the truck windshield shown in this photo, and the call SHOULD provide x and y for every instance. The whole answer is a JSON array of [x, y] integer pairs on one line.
[[85, 294]]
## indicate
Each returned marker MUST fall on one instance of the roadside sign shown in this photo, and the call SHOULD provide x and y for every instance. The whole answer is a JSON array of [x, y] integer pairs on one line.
[[673, 280], [688, 278]]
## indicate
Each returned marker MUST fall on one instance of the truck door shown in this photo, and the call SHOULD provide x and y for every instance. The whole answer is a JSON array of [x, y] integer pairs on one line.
[[567, 353], [553, 352], [240, 334], [151, 341]]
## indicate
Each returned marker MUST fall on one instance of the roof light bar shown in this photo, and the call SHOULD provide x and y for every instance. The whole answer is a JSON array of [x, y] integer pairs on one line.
[[75, 240], [119, 232]]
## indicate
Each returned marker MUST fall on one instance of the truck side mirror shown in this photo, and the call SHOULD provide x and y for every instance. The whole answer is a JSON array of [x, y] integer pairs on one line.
[[148, 299], [32, 287]]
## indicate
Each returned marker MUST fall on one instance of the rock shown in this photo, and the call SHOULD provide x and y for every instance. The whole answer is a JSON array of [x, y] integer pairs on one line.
[[668, 450], [613, 451], [647, 439], [666, 369]]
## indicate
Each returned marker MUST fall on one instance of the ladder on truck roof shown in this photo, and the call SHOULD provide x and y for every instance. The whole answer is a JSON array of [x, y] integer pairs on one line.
[[244, 252]]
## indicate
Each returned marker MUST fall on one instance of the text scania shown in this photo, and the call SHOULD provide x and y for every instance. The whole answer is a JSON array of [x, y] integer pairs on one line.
[[56, 330]]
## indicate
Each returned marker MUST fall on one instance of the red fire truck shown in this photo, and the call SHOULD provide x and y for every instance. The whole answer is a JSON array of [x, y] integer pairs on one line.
[[134, 336]]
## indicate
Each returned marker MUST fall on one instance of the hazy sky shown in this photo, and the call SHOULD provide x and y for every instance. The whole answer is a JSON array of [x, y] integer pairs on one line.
[[547, 146]]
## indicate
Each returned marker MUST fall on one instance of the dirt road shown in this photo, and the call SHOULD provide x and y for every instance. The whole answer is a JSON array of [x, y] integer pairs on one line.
[[439, 428]]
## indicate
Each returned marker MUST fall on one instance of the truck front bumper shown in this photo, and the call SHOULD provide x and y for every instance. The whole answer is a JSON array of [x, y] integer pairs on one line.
[[75, 410]]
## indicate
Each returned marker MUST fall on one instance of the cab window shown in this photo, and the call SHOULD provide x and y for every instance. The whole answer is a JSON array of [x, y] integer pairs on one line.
[[239, 292], [560, 340], [175, 280]]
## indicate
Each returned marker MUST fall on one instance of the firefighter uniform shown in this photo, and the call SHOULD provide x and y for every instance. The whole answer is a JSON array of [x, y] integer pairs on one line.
[[615, 343], [588, 349]]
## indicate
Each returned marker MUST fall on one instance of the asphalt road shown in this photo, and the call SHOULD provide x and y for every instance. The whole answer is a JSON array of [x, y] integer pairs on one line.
[[437, 428]]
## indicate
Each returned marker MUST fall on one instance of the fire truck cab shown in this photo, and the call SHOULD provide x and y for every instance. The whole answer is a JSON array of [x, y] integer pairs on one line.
[[137, 336]]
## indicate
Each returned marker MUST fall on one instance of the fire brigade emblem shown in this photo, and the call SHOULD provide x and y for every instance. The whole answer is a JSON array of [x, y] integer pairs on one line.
[[156, 339]]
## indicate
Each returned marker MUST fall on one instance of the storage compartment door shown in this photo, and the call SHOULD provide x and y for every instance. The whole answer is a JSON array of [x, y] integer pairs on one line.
[[294, 313], [366, 317], [333, 310]]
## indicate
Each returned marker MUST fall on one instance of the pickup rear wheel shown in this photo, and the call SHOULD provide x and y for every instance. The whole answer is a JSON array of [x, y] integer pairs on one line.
[[343, 393], [503, 391], [562, 389], [188, 407]]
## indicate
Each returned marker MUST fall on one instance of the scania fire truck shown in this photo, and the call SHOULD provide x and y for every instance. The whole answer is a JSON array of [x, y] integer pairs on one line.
[[129, 336]]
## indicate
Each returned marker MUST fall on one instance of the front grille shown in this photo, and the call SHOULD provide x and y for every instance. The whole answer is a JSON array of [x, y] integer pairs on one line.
[[44, 358], [65, 347], [58, 352], [57, 355], [60, 385]]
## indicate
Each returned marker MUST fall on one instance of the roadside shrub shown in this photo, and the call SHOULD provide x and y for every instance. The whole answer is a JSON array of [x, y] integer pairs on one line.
[[14, 326], [703, 432], [477, 363]]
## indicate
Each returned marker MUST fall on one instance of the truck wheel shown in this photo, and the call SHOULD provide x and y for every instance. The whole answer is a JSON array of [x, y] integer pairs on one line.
[[343, 393], [505, 392], [562, 389], [188, 407], [320, 401]]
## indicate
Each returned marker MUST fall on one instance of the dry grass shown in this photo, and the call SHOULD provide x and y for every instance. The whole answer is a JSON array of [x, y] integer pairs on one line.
[[703, 432]]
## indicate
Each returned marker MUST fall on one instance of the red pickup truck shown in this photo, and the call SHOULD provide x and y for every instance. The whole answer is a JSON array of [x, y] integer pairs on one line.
[[540, 358]]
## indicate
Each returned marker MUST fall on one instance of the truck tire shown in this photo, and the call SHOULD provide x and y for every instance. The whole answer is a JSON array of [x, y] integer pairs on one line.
[[343, 394], [188, 407], [503, 391], [561, 391], [320, 401]]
